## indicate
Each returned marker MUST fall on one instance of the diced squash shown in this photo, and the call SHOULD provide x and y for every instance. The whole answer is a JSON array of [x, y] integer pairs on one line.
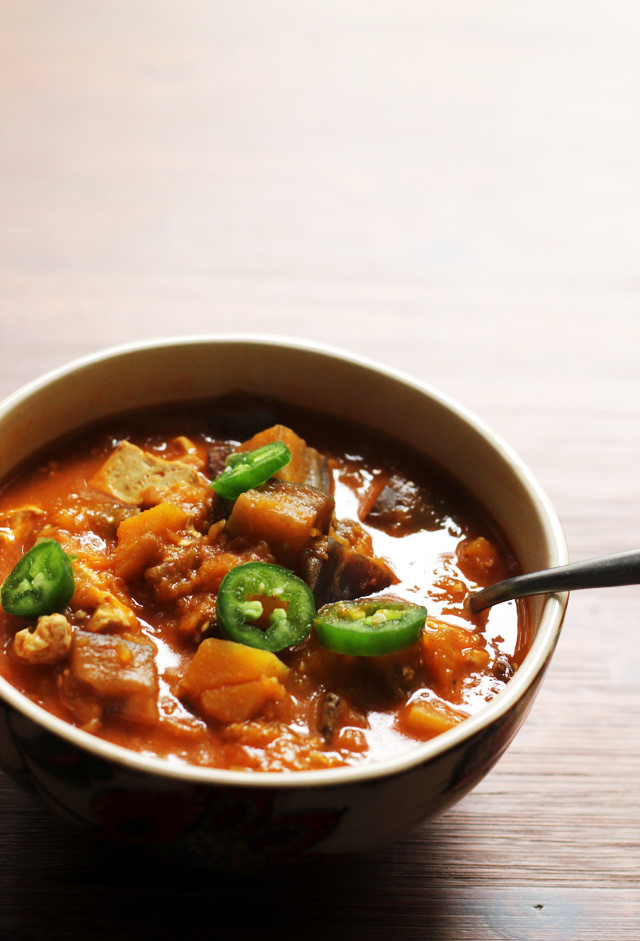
[[232, 682], [480, 561], [426, 718], [450, 654], [243, 701], [306, 466], [141, 538], [219, 662], [287, 516], [294, 442]]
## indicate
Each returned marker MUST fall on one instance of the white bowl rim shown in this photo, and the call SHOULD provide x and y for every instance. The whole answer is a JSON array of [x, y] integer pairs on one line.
[[416, 755]]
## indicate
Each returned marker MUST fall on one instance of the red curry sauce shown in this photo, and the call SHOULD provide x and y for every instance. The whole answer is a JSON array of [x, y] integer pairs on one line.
[[150, 541]]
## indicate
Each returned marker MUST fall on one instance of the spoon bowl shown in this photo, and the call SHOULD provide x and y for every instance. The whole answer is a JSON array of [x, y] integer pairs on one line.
[[622, 568]]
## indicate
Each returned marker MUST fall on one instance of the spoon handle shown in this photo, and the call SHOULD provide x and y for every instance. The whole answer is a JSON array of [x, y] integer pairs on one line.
[[623, 568]]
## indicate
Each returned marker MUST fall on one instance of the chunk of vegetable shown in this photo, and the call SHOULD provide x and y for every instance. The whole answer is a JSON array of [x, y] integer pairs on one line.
[[346, 574], [451, 654], [403, 506], [139, 478], [479, 560], [218, 662], [287, 516], [120, 673], [426, 718], [141, 538], [232, 682], [241, 702]]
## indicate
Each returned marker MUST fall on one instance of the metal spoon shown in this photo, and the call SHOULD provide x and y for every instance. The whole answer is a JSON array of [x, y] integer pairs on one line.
[[623, 568]]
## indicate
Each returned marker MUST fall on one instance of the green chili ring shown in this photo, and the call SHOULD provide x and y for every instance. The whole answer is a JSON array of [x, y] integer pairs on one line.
[[239, 606], [40, 583], [369, 627], [247, 469]]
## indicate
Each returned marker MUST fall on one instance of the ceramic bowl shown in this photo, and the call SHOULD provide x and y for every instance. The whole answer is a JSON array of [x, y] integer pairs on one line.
[[244, 821]]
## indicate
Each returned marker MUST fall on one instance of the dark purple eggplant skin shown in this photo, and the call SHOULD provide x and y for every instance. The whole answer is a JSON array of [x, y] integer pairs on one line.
[[402, 507], [346, 575]]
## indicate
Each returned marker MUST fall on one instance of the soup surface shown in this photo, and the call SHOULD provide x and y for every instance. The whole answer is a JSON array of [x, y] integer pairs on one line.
[[142, 652]]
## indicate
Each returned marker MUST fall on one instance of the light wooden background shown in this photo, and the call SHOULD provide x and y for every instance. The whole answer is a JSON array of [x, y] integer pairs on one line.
[[452, 189]]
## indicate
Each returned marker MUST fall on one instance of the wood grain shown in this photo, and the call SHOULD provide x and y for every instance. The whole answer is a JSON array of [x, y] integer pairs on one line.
[[451, 189]]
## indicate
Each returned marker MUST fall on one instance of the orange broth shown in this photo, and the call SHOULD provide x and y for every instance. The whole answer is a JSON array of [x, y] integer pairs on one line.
[[155, 593]]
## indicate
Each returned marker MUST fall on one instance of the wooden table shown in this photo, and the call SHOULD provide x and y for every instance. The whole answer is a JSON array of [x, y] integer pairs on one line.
[[450, 188]]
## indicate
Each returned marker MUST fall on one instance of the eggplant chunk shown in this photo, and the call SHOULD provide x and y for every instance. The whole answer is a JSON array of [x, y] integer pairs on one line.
[[311, 561], [317, 471], [402, 507], [120, 674], [347, 574], [217, 455]]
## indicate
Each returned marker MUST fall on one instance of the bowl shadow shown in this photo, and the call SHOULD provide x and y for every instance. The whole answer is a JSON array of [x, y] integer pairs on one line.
[[59, 883]]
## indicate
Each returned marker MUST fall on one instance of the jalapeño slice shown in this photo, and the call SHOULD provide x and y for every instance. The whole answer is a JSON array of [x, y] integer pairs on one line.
[[369, 627], [247, 469], [266, 606], [41, 582]]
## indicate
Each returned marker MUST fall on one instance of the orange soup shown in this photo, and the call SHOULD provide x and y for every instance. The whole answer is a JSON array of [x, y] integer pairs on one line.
[[250, 586]]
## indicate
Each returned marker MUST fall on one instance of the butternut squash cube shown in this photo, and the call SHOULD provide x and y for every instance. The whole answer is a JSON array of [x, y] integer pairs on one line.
[[285, 515], [451, 654], [307, 466], [241, 702], [141, 538], [219, 662], [232, 682], [479, 560], [424, 719]]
